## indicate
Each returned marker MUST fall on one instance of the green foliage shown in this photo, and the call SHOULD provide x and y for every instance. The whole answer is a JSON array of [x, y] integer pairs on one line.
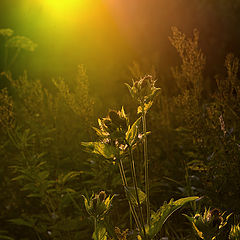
[[6, 32], [40, 179], [235, 232], [21, 42], [100, 233], [209, 225], [17, 43], [98, 205], [113, 135], [107, 151], [193, 146], [132, 133], [159, 217], [3, 236], [116, 135], [131, 195]]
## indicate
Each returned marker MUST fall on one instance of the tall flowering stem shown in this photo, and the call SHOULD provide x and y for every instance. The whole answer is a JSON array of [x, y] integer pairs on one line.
[[144, 91]]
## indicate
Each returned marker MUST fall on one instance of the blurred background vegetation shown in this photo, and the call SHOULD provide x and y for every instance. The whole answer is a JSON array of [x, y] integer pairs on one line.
[[63, 65]]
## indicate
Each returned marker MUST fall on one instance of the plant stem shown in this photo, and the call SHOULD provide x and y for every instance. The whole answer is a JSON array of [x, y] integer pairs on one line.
[[124, 181], [146, 163], [136, 188], [38, 236], [95, 228]]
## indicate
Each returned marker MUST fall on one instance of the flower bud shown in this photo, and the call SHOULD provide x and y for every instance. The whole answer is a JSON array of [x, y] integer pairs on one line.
[[98, 205], [209, 224]]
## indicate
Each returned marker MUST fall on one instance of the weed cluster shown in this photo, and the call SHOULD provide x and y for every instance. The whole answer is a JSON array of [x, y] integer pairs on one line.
[[49, 182]]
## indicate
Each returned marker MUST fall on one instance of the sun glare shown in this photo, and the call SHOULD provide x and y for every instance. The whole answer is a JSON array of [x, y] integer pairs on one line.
[[66, 8]]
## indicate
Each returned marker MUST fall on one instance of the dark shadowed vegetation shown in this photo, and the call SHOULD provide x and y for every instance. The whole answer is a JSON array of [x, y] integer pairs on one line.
[[148, 151]]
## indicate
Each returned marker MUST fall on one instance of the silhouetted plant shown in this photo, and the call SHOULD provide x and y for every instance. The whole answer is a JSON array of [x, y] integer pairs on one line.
[[209, 225], [17, 43], [117, 140]]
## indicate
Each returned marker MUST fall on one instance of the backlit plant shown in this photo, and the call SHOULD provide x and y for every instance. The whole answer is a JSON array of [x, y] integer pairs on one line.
[[118, 139], [98, 206], [209, 225]]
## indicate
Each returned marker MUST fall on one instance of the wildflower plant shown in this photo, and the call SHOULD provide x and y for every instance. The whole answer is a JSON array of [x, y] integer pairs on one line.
[[97, 207], [21, 42], [118, 139], [209, 225], [17, 43], [144, 92]]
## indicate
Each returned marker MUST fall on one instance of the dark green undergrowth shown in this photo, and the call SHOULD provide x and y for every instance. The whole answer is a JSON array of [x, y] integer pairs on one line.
[[189, 143]]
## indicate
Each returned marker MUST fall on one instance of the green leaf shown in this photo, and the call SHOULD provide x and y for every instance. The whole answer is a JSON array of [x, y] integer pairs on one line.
[[18, 178], [99, 132], [197, 165], [100, 233], [130, 90], [34, 195], [164, 212], [69, 176], [29, 187], [6, 237], [41, 163], [43, 175], [22, 222], [131, 194], [69, 190], [3, 235], [132, 132], [103, 149]]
